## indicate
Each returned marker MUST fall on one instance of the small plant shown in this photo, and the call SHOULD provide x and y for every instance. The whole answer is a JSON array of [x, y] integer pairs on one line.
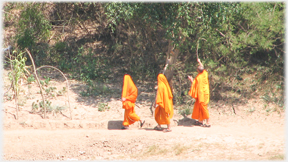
[[50, 108], [103, 107], [9, 97], [47, 80], [186, 110], [49, 91], [61, 92], [47, 105], [41, 82], [58, 109], [35, 107], [19, 71], [30, 79]]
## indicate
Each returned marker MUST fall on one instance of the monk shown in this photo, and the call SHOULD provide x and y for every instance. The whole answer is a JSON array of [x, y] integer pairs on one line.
[[164, 104], [200, 91], [129, 96]]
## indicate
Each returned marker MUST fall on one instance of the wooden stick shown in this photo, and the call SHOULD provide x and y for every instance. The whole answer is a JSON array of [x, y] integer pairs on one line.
[[197, 49], [35, 73], [221, 33]]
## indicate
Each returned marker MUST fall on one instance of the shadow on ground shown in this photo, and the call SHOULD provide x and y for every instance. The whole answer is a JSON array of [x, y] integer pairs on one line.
[[106, 92], [187, 122], [115, 124]]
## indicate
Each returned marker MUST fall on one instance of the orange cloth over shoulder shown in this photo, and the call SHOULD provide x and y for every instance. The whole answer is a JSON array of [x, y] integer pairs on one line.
[[164, 95], [129, 91], [200, 88]]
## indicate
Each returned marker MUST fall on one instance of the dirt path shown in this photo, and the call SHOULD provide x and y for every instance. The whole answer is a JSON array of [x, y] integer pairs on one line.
[[238, 139], [250, 134]]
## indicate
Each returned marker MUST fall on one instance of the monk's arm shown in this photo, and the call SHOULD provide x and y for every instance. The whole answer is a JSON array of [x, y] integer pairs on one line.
[[198, 60], [190, 78]]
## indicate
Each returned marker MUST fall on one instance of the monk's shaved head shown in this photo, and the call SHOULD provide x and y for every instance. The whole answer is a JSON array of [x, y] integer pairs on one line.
[[200, 68]]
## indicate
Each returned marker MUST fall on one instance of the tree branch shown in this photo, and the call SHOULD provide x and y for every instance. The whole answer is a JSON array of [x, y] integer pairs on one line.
[[220, 33], [67, 83]]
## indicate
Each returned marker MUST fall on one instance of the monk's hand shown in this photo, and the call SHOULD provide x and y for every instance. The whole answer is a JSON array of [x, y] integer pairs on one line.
[[190, 78], [123, 99], [154, 104], [198, 60]]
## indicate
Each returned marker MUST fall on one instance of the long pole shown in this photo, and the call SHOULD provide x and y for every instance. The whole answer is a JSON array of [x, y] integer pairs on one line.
[[197, 49]]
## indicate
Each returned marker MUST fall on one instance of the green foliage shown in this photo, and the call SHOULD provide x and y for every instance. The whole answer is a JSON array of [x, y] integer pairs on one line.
[[185, 110], [60, 46], [47, 104], [47, 80], [155, 150], [39, 106], [30, 79], [271, 97], [49, 91], [179, 149], [33, 27], [103, 107], [89, 67], [61, 92], [278, 157], [34, 107], [19, 70], [97, 89], [233, 39]]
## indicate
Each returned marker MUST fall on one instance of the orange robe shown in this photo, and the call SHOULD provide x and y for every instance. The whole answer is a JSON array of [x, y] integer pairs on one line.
[[200, 91], [164, 111], [130, 92]]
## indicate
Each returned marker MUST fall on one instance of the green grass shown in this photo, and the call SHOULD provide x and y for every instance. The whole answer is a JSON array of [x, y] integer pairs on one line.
[[179, 149], [172, 150], [277, 157]]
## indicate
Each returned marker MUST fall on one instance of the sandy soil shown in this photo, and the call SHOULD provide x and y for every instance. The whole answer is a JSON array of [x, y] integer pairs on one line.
[[250, 134]]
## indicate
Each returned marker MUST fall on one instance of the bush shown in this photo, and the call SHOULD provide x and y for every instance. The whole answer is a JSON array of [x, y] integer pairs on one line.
[[33, 27], [103, 107]]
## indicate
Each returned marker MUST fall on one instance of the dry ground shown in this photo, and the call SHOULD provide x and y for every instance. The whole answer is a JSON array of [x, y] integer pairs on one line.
[[250, 134]]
